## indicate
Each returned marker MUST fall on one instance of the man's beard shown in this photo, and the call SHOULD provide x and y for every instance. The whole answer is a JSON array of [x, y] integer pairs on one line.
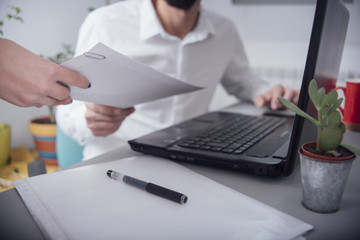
[[181, 4]]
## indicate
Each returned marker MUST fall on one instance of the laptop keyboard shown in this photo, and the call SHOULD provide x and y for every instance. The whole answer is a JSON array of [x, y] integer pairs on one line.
[[234, 135]]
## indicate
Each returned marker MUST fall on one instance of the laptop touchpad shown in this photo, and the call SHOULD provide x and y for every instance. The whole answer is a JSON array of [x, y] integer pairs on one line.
[[266, 147]]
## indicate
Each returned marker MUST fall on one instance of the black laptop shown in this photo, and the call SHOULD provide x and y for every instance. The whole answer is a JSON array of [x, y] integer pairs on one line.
[[263, 145]]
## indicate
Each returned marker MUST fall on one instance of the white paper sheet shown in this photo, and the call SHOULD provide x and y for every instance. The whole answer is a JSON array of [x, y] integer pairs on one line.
[[119, 81], [84, 203]]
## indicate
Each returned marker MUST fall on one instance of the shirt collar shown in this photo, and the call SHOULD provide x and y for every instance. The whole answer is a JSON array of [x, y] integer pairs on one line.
[[151, 26], [203, 29]]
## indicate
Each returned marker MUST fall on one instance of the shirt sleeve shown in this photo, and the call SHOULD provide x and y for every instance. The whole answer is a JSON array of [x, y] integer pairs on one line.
[[71, 119], [239, 79]]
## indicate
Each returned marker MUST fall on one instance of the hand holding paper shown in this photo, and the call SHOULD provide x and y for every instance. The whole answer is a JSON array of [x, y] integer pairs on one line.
[[104, 120], [119, 81]]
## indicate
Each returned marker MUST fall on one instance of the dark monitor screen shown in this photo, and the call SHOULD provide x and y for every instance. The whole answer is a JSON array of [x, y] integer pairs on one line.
[[322, 64]]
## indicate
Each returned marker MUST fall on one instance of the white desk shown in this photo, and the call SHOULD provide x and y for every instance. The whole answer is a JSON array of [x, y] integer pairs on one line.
[[281, 193], [285, 194]]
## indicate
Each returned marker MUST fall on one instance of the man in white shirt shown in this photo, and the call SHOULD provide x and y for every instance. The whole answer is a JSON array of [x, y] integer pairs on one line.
[[178, 38]]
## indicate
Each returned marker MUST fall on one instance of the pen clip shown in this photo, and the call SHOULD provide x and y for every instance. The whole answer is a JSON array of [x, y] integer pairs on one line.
[[94, 55]]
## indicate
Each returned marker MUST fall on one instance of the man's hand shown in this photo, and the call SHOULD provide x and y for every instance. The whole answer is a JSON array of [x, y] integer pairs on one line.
[[29, 80], [105, 120], [270, 97]]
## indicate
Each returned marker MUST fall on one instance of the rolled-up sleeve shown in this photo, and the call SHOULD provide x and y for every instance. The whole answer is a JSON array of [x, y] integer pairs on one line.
[[239, 79]]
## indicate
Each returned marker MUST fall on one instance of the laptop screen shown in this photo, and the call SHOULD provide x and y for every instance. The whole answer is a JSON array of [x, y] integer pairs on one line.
[[322, 64]]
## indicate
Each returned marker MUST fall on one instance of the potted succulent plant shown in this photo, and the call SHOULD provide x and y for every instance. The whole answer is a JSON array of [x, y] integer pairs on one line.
[[325, 164]]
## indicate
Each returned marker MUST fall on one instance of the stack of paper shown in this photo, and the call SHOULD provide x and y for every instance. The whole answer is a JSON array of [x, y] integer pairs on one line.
[[84, 203]]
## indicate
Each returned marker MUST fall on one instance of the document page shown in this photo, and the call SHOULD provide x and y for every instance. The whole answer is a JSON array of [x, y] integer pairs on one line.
[[119, 81], [85, 203]]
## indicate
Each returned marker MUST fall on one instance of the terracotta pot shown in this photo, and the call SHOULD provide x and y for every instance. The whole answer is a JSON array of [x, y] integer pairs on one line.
[[321, 157], [323, 180], [44, 135]]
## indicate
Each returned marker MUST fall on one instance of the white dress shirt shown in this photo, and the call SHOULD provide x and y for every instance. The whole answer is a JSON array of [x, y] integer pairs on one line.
[[210, 54]]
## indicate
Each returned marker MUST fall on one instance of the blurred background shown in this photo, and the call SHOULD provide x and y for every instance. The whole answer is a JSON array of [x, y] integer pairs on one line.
[[275, 33]]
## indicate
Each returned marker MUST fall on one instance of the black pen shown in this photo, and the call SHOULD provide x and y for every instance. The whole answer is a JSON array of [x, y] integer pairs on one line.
[[150, 187]]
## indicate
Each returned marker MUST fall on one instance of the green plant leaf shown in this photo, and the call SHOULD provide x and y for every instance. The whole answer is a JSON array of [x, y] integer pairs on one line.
[[334, 118], [324, 113], [329, 99], [335, 106], [320, 95], [297, 110], [330, 138], [343, 128], [330, 127], [351, 148], [17, 10], [313, 91], [20, 19]]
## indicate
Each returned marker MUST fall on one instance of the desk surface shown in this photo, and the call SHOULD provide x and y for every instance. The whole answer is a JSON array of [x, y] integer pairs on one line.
[[281, 193]]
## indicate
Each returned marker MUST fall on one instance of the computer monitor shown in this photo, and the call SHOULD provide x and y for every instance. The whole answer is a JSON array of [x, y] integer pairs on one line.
[[322, 64]]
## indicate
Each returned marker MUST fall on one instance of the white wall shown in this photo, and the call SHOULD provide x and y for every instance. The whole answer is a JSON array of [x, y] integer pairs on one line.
[[275, 37], [278, 35]]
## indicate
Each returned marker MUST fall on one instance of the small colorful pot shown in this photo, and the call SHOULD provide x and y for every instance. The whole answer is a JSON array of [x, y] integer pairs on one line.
[[44, 135]]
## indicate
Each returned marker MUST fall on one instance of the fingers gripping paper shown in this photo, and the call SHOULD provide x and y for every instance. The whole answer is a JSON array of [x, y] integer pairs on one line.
[[119, 81], [84, 203]]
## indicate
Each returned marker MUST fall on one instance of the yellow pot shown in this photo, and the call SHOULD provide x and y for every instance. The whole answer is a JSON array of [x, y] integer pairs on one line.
[[5, 137]]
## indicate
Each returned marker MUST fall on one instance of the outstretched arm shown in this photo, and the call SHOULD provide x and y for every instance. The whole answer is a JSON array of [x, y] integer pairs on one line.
[[29, 80]]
